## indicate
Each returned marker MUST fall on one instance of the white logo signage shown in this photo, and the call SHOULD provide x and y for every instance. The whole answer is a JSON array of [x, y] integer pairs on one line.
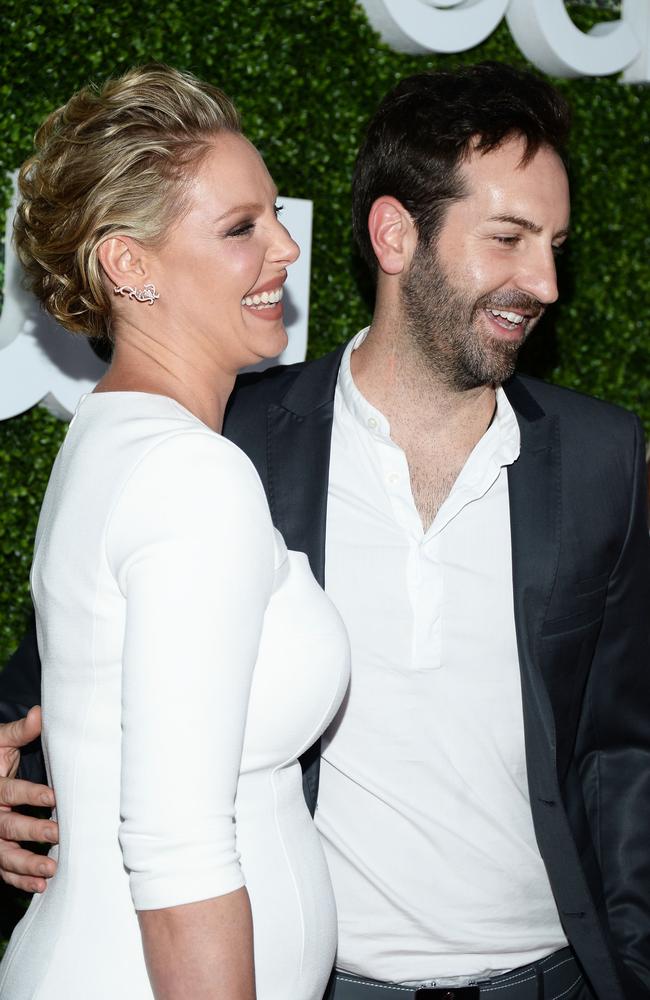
[[434, 25], [542, 29], [40, 362]]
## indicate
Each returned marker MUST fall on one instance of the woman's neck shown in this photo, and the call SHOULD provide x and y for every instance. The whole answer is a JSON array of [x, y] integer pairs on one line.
[[148, 366]]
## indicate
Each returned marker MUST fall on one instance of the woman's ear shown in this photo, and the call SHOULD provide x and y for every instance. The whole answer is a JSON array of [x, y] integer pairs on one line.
[[392, 234], [123, 261]]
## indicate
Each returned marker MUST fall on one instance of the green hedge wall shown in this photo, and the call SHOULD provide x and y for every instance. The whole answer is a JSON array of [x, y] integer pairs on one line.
[[306, 74]]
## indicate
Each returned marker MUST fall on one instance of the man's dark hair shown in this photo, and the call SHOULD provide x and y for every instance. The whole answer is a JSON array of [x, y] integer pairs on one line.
[[429, 123]]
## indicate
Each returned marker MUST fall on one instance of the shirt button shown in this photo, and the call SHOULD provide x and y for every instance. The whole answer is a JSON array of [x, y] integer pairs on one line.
[[393, 478], [372, 423]]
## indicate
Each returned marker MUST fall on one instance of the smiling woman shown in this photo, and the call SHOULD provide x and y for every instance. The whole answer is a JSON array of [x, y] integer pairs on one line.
[[225, 248], [164, 596], [101, 164]]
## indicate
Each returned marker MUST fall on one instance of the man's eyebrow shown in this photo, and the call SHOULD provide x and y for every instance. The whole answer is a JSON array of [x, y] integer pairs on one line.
[[532, 227]]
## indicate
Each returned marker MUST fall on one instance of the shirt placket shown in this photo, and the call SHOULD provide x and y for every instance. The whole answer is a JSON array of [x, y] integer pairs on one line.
[[423, 567]]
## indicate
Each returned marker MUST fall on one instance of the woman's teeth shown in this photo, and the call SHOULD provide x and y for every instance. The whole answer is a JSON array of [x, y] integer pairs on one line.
[[263, 299]]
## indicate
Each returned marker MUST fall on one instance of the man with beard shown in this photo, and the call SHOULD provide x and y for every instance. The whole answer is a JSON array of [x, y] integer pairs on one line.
[[484, 791]]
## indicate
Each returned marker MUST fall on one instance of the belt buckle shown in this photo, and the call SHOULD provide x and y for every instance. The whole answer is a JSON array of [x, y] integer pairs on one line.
[[448, 993]]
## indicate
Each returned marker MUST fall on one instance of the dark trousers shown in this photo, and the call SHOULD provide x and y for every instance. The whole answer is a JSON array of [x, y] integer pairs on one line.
[[557, 977]]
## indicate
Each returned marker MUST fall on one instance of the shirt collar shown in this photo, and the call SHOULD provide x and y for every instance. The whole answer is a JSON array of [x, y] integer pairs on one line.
[[507, 430], [368, 416], [502, 440]]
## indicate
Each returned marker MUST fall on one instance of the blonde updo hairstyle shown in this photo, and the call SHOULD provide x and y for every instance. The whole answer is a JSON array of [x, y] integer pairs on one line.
[[115, 159]]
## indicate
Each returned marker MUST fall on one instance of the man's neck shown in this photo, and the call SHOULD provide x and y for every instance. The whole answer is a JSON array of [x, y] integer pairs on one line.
[[436, 425], [391, 374]]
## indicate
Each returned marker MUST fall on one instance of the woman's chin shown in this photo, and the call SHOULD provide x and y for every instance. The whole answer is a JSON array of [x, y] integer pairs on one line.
[[274, 343], [264, 350]]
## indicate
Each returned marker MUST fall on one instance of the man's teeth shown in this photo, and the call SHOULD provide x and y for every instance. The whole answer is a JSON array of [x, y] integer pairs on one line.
[[263, 298], [511, 317]]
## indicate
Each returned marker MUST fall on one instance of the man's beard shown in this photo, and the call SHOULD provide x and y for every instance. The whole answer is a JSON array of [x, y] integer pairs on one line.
[[444, 324]]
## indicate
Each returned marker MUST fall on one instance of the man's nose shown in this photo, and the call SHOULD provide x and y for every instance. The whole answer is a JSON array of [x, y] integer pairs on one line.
[[538, 275]]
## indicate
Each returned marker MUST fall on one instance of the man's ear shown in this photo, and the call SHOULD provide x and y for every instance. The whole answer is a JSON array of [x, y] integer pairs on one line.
[[392, 234], [123, 261]]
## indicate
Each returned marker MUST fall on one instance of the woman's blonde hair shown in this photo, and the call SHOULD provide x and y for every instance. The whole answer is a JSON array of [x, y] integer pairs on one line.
[[114, 159]]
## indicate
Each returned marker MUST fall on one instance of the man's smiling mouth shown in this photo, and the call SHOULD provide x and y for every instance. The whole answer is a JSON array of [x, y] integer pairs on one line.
[[509, 320]]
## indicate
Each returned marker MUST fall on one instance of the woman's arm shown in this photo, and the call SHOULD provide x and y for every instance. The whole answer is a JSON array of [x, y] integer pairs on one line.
[[192, 549], [201, 951]]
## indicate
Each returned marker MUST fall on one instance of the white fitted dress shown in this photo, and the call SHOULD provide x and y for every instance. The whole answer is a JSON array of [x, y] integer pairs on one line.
[[188, 660]]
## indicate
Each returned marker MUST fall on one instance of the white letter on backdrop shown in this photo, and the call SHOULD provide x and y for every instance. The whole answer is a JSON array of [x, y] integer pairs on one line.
[[636, 13], [434, 25], [548, 37]]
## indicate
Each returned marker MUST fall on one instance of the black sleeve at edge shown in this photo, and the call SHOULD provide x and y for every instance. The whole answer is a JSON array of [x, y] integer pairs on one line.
[[20, 688]]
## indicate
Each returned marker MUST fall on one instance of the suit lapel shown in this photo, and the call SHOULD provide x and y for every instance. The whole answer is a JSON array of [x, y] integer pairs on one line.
[[535, 507], [299, 432]]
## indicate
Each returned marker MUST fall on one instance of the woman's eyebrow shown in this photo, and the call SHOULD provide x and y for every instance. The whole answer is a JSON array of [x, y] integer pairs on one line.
[[247, 206]]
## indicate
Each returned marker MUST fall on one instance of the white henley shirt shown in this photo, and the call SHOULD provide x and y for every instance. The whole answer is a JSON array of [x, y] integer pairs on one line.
[[424, 806]]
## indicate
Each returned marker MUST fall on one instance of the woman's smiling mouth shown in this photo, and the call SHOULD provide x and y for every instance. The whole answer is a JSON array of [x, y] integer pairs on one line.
[[260, 299], [266, 301]]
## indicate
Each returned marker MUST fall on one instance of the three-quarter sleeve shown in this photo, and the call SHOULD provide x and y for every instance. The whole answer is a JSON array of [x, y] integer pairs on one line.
[[191, 546]]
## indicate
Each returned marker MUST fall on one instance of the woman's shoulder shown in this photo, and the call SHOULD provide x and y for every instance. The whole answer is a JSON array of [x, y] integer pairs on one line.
[[179, 482], [148, 461], [147, 435]]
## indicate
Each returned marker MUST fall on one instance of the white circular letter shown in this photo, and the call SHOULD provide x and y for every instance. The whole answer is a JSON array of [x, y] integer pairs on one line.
[[415, 26], [548, 37]]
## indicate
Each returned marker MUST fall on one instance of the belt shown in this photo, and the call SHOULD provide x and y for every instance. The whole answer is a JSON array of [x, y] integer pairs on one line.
[[556, 977]]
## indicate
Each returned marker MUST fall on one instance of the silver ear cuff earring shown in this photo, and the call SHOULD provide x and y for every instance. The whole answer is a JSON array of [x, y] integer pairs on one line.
[[146, 294]]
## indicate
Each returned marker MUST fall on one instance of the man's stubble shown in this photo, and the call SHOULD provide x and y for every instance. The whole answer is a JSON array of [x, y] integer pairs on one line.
[[445, 326]]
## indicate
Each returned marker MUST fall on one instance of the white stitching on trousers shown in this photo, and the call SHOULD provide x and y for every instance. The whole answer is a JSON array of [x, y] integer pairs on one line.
[[506, 986], [378, 986], [508, 979], [564, 992]]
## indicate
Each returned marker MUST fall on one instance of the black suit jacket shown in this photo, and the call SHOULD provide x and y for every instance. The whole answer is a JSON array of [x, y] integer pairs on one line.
[[581, 578]]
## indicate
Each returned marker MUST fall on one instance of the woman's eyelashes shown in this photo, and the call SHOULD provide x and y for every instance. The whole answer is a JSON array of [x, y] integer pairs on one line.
[[246, 226], [241, 229]]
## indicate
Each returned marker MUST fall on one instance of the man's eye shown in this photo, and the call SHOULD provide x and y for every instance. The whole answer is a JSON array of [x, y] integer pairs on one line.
[[559, 250], [277, 209], [508, 241], [242, 229]]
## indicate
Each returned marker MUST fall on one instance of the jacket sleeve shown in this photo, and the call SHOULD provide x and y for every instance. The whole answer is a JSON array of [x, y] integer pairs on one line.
[[614, 747], [20, 689]]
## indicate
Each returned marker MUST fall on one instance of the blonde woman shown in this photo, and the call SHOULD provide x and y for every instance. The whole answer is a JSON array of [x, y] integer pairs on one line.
[[166, 602]]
